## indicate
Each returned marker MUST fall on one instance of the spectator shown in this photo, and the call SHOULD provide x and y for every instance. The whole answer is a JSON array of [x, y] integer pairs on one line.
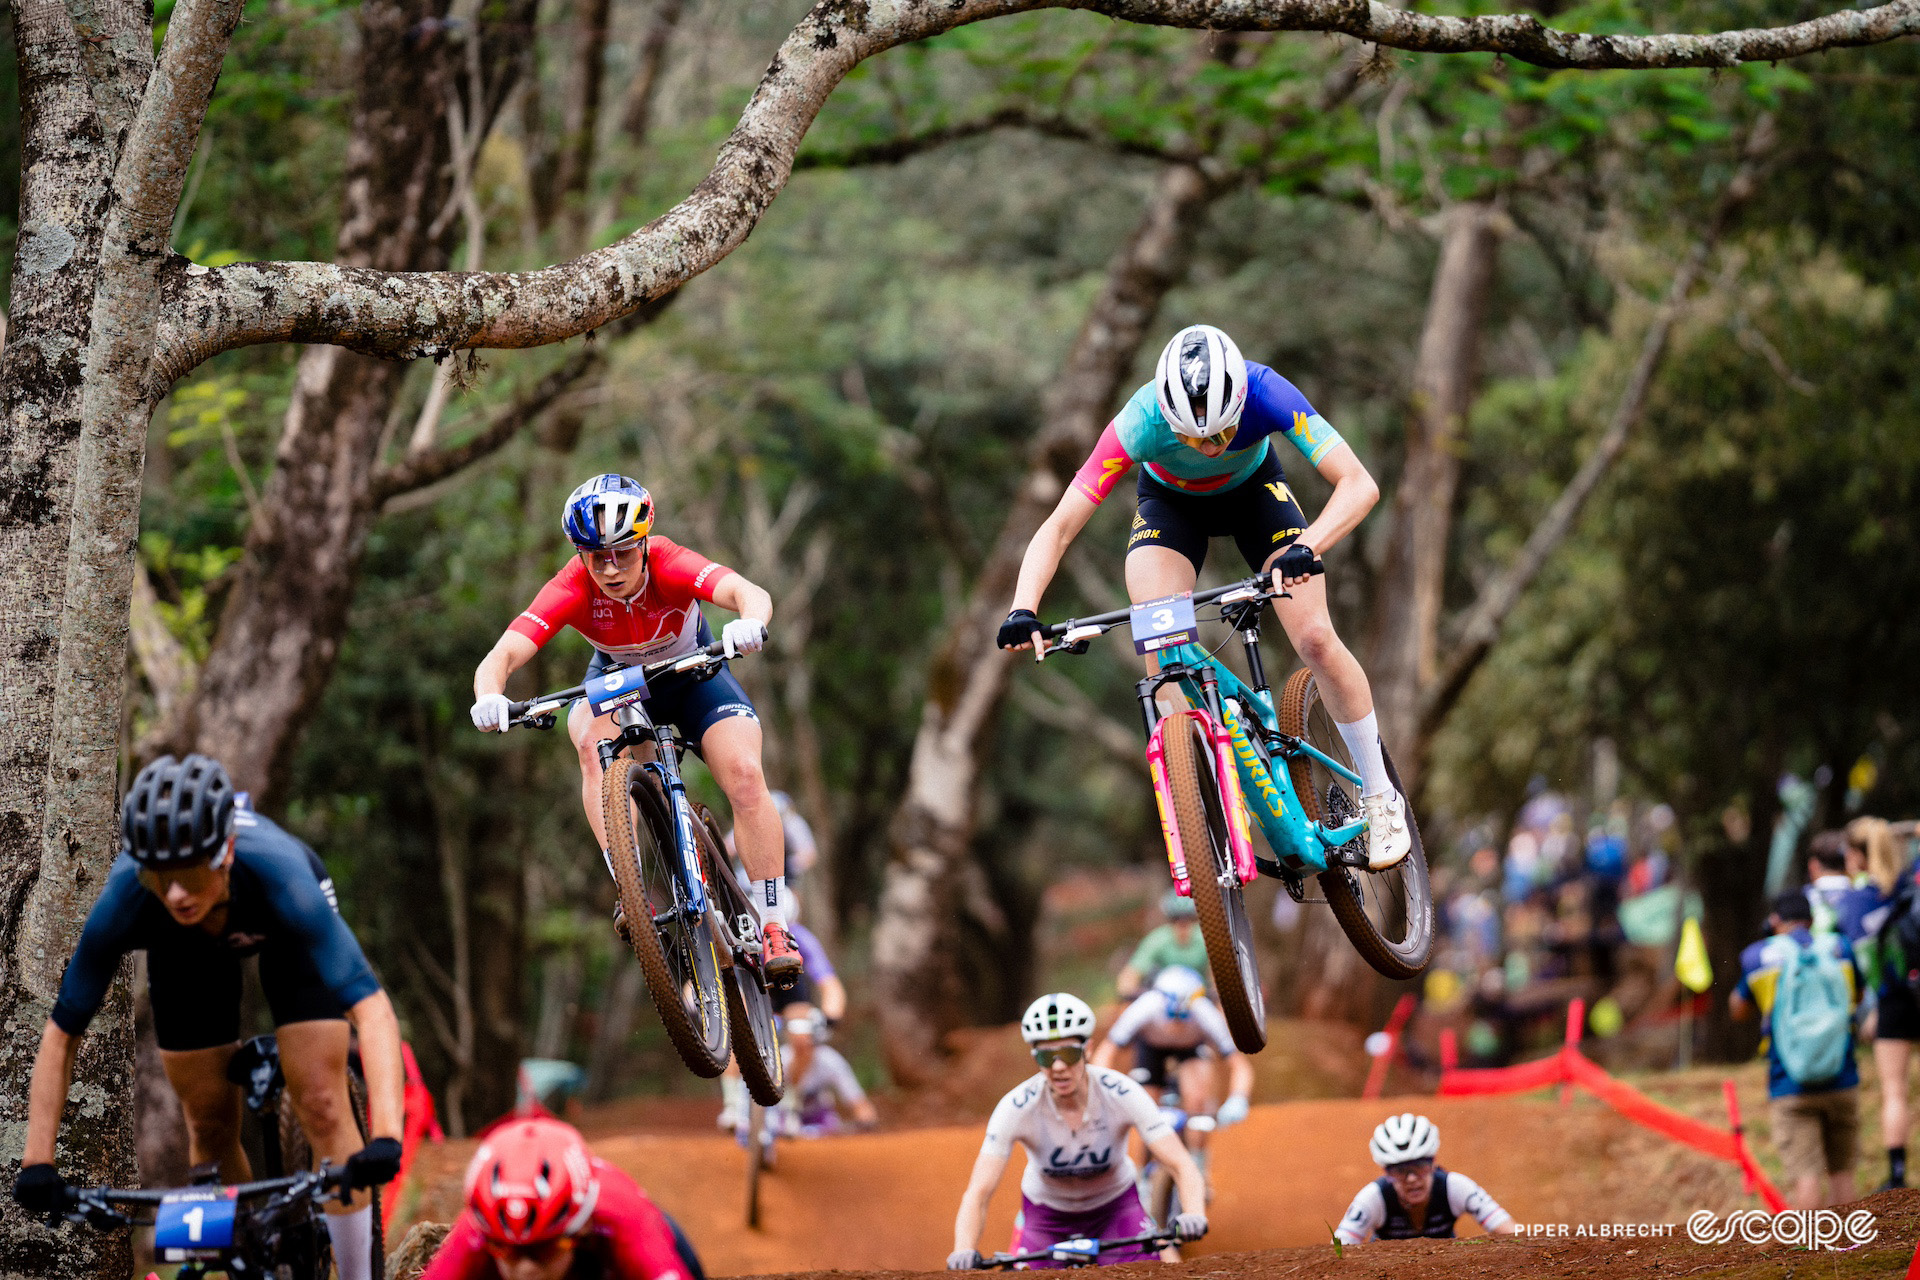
[[1178, 941], [1804, 990], [1896, 1021], [1828, 886]]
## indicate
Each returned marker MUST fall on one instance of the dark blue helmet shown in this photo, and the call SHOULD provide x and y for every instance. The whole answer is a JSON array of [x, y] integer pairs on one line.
[[608, 512], [177, 812]]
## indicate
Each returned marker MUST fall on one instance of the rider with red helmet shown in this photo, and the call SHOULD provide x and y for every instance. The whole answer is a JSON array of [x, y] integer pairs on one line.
[[540, 1206]]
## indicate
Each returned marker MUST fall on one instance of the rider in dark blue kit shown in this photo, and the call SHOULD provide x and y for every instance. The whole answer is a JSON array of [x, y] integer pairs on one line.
[[201, 883]]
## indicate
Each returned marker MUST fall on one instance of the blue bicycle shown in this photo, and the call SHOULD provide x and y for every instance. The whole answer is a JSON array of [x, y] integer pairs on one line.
[[1232, 743]]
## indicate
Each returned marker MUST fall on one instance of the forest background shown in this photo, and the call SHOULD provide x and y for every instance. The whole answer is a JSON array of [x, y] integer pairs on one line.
[[1688, 296]]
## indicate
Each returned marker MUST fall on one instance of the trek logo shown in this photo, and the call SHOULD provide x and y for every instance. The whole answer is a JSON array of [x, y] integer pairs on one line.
[[1086, 1163]]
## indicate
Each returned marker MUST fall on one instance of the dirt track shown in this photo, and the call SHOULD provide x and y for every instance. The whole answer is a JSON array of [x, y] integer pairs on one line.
[[885, 1201]]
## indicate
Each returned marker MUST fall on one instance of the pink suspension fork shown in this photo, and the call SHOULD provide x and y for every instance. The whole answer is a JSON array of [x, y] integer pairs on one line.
[[1239, 824]]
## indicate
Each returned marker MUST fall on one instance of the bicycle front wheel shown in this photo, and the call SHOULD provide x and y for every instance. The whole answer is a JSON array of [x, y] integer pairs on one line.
[[675, 948], [1387, 915], [1199, 815]]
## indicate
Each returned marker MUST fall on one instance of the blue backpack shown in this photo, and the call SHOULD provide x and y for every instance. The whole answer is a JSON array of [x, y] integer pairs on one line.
[[1812, 1023]]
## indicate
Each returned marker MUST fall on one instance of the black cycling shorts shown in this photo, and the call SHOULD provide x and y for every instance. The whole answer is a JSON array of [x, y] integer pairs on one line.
[[688, 704], [1260, 514], [195, 991], [1899, 1017], [1160, 1064]]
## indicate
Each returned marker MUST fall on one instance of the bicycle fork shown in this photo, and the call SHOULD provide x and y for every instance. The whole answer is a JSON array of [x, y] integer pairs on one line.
[[1226, 777], [636, 728]]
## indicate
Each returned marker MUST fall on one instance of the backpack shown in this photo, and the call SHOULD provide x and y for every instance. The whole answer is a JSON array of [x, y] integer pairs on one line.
[[1902, 928], [1812, 1023]]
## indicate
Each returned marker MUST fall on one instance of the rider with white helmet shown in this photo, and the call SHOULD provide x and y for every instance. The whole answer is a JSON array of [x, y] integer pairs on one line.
[[1073, 1119], [1177, 1035], [1416, 1198], [1201, 432]]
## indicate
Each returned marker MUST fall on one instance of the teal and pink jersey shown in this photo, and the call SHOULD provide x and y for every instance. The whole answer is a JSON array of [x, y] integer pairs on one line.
[[1140, 433]]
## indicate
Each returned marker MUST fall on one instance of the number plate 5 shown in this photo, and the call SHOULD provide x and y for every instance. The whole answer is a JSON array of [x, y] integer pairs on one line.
[[1164, 623], [616, 689], [192, 1223]]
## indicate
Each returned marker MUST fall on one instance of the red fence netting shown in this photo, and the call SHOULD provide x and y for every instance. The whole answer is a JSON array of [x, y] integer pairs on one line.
[[1569, 1067], [421, 1124]]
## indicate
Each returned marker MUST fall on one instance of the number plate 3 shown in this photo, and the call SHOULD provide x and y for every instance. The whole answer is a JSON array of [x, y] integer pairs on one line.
[[1164, 623]]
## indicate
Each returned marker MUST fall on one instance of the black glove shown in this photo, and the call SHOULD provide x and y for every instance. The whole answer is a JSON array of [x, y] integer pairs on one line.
[[1297, 561], [375, 1164], [41, 1191], [1189, 1226], [1018, 629], [965, 1259]]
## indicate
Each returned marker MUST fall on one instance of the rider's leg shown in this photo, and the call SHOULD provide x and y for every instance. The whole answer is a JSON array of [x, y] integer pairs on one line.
[[212, 1107], [1343, 684], [588, 731], [731, 747], [1195, 1078], [314, 1057], [1891, 1057]]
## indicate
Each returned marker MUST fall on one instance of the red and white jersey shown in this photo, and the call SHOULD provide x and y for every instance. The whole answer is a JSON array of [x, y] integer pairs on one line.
[[658, 623], [627, 1238]]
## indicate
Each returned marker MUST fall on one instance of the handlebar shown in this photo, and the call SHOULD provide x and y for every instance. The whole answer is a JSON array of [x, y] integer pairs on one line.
[[1258, 587], [1058, 1252], [534, 711], [104, 1207]]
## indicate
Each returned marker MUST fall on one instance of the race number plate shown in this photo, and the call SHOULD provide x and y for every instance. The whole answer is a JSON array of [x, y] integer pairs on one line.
[[1162, 624], [192, 1224], [616, 689], [1077, 1249]]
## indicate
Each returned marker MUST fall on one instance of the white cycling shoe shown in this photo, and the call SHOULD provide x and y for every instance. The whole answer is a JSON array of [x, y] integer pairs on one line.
[[1389, 840]]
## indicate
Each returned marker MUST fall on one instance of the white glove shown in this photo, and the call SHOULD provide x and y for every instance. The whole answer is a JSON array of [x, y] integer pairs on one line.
[[964, 1260], [743, 635], [1189, 1226], [1232, 1111], [490, 713]]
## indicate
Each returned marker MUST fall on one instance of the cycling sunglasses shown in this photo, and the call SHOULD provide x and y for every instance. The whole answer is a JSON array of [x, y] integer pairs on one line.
[[539, 1254], [1410, 1168], [1070, 1055], [1222, 438], [618, 558]]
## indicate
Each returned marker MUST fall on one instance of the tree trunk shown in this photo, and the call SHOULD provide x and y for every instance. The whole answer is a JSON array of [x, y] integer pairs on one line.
[[1406, 621], [932, 884], [581, 117]]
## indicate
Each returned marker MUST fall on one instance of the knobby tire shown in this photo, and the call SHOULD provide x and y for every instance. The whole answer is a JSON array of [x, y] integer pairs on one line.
[[1401, 896], [750, 1017], [1199, 815], [633, 836]]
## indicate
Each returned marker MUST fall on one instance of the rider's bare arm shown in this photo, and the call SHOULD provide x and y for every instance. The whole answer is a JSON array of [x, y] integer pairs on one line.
[[510, 652], [744, 598], [833, 996], [1172, 1154], [1354, 494], [1240, 1076], [988, 1168], [1050, 542], [381, 1062], [47, 1094]]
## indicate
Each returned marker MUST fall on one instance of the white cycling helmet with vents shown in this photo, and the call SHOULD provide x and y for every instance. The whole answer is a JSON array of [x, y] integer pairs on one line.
[[1201, 383], [1058, 1016], [1404, 1137]]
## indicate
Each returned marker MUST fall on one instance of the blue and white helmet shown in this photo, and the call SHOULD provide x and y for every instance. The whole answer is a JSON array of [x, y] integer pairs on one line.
[[1179, 986], [608, 512], [1201, 383]]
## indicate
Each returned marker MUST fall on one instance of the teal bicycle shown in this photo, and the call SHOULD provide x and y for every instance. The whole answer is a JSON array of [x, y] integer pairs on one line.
[[1232, 743]]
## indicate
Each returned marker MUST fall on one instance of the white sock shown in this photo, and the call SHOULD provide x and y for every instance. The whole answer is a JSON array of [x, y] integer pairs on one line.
[[352, 1236], [733, 1095], [1363, 743], [774, 900]]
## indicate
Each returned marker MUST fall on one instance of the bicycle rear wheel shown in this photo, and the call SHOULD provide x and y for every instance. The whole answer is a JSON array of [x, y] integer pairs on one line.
[[1387, 915], [1200, 817], [750, 1018], [675, 950]]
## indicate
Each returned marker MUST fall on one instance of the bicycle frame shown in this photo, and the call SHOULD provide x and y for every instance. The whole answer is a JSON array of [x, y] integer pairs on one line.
[[637, 728]]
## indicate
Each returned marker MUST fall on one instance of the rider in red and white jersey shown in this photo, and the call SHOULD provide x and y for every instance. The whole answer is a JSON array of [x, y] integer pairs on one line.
[[636, 597], [540, 1206]]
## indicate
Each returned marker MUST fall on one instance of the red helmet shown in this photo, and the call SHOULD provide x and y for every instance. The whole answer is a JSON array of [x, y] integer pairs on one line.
[[531, 1181]]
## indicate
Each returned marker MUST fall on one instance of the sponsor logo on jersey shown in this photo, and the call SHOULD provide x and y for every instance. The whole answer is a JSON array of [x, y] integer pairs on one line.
[[700, 579], [1085, 1163], [1287, 533], [1280, 491]]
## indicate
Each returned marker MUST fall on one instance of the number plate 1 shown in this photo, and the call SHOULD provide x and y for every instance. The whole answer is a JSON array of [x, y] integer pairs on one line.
[[616, 689], [192, 1224], [1164, 623]]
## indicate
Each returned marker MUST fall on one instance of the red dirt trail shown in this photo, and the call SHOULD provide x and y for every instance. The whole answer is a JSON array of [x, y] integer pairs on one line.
[[885, 1201]]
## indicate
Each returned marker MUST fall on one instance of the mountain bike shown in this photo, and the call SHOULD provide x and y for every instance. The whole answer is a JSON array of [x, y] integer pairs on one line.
[[255, 1068], [1232, 742], [271, 1228], [687, 919], [1082, 1251]]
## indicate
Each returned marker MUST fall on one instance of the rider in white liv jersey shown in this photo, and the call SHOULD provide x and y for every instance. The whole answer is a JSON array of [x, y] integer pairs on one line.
[[1073, 1120]]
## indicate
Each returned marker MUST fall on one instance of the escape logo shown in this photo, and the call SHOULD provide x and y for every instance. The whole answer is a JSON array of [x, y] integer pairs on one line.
[[1807, 1228]]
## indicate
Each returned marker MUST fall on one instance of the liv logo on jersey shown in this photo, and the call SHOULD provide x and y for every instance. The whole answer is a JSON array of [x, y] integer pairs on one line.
[[1086, 1163]]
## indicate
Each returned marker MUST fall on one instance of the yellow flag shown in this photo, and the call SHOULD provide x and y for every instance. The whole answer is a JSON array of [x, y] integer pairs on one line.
[[1691, 965]]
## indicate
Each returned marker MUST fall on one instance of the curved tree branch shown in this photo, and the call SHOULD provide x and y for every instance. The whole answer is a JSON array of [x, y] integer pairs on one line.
[[409, 315]]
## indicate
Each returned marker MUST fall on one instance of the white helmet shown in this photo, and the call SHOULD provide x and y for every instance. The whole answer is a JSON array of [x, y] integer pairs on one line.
[[1057, 1017], [1201, 383], [1180, 986], [1402, 1138]]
